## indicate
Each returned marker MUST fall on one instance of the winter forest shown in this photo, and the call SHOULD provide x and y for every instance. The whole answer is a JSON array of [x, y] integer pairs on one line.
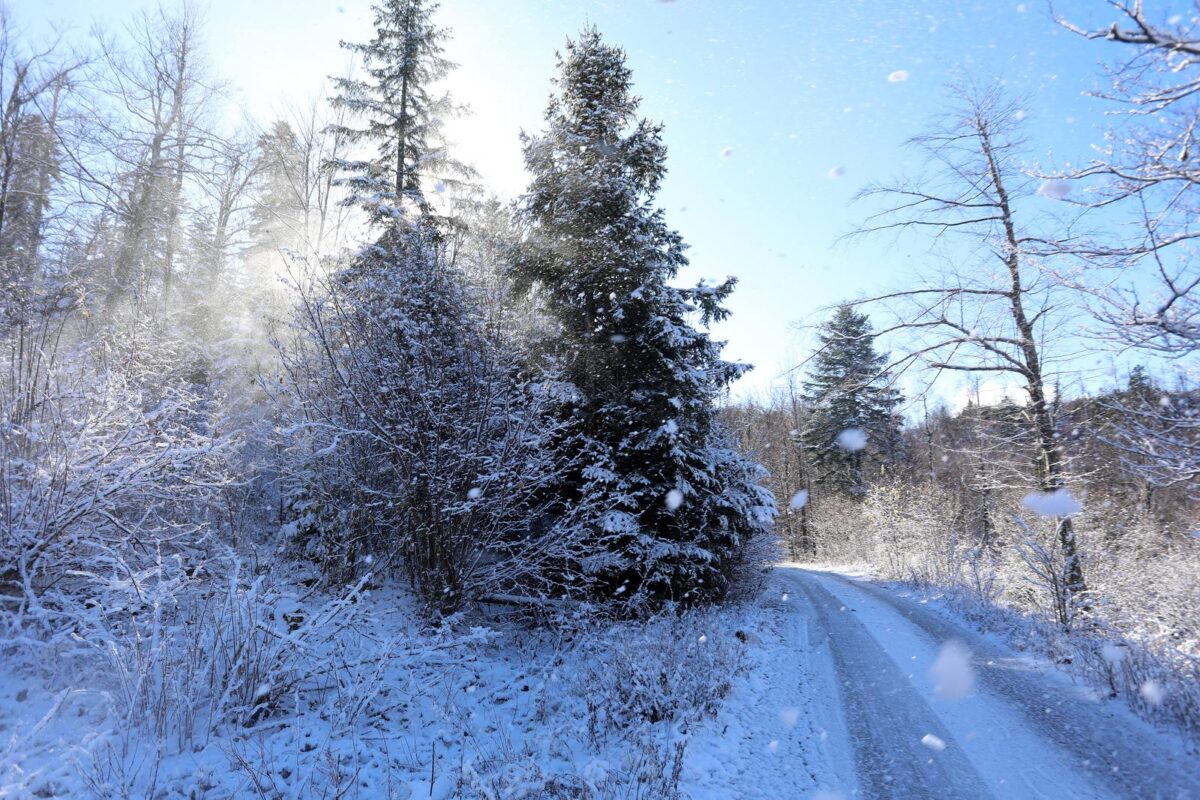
[[332, 471]]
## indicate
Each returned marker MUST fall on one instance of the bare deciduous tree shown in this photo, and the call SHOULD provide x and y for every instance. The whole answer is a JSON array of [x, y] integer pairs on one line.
[[1147, 172], [990, 312], [141, 144], [32, 92], [1143, 275]]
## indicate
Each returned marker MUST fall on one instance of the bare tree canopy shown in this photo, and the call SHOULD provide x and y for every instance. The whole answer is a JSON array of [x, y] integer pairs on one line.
[[992, 313]]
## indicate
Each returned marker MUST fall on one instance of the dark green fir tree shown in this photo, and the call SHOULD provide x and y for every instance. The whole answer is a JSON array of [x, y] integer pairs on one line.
[[676, 501], [854, 430]]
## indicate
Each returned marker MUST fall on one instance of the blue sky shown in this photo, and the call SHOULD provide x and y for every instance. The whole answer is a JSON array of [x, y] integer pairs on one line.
[[763, 101]]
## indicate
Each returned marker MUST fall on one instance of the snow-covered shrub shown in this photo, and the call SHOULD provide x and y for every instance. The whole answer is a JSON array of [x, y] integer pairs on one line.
[[906, 533], [105, 466], [836, 529], [418, 444], [752, 571], [208, 664], [1144, 582], [227, 655], [1135, 627], [622, 703], [318, 530], [673, 669], [1044, 570], [915, 538], [652, 769]]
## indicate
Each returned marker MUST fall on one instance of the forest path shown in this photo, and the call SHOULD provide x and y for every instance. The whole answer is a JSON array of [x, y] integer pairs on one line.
[[933, 709]]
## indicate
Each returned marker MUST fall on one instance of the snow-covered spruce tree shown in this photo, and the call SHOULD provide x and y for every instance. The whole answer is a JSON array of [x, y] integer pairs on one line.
[[676, 501], [400, 111], [853, 428], [276, 214]]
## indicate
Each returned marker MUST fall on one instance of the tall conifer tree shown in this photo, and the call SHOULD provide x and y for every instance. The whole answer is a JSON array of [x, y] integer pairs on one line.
[[406, 368], [853, 424], [277, 215], [677, 500], [400, 111]]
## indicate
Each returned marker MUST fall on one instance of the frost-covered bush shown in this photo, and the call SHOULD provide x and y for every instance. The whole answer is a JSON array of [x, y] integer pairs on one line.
[[231, 654], [1135, 627], [415, 443], [106, 462], [670, 669], [651, 769], [906, 533], [756, 561], [204, 666], [915, 536], [619, 722]]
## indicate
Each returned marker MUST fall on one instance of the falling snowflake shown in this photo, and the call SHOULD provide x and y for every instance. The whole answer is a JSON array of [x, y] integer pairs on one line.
[[1055, 189], [899, 76], [951, 671], [836, 173], [1058, 503], [674, 499], [799, 500], [1113, 654], [727, 152], [852, 440], [475, 493], [934, 743], [789, 717], [1152, 692]]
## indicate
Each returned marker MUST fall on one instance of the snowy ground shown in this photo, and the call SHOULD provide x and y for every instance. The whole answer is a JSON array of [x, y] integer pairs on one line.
[[776, 737], [374, 705], [824, 687], [933, 709]]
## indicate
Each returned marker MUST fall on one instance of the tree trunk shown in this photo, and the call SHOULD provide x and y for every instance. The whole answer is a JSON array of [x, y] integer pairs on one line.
[[1049, 448], [402, 123]]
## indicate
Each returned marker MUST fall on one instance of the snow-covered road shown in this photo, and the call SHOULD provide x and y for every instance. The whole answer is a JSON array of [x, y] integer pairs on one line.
[[923, 707], [856, 691]]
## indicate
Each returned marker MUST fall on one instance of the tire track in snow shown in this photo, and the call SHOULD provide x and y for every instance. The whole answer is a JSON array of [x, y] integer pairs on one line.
[[1102, 740], [771, 741], [887, 718]]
